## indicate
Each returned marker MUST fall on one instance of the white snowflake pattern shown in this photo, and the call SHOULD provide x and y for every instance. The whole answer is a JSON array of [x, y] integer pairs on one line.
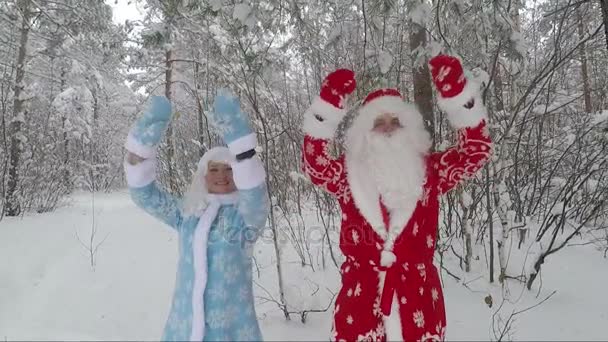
[[344, 217], [422, 270], [350, 320], [349, 293], [434, 294], [218, 293], [372, 335], [438, 336], [321, 161], [421, 290], [355, 237], [425, 196], [376, 307], [419, 319], [429, 241], [358, 290], [310, 149], [246, 333], [415, 229], [406, 266], [231, 274], [216, 319], [403, 300], [243, 294], [219, 262]]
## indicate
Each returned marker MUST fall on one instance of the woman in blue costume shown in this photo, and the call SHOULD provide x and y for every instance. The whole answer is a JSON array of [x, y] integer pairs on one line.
[[218, 221]]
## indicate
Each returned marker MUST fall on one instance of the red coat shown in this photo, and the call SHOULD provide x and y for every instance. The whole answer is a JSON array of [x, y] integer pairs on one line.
[[361, 303]]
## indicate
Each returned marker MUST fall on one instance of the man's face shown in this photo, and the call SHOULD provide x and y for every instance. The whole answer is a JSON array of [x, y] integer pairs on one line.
[[386, 124], [219, 178]]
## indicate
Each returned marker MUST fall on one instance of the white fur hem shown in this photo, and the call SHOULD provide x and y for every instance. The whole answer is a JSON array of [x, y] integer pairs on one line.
[[392, 322], [460, 116], [248, 173], [331, 115], [243, 144], [140, 174], [134, 146]]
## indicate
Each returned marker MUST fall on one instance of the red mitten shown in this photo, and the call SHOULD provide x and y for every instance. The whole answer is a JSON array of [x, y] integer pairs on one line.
[[327, 111], [337, 86], [447, 75]]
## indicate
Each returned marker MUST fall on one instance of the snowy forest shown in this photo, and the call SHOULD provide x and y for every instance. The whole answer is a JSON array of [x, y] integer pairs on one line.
[[73, 80]]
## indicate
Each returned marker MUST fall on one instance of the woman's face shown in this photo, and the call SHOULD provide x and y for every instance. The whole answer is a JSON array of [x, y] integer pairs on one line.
[[219, 178]]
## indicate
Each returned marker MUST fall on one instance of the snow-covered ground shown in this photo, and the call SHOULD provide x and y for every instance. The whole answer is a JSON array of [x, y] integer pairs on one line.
[[49, 291]]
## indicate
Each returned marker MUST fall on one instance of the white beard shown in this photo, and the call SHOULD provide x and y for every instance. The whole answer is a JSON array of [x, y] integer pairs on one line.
[[397, 168]]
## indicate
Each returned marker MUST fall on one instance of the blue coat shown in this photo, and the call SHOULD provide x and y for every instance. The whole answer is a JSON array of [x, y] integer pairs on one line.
[[228, 296]]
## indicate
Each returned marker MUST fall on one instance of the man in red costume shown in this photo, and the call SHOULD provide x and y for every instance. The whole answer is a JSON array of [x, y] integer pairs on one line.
[[388, 185]]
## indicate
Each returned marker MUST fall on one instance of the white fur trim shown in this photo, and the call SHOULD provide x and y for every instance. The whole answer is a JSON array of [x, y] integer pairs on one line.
[[243, 144], [322, 129], [140, 174], [134, 146], [458, 115], [387, 258], [365, 195], [392, 322], [248, 173], [199, 256]]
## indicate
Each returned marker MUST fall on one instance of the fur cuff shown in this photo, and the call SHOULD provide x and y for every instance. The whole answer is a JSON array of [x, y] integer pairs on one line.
[[248, 173], [325, 129], [140, 174], [134, 146], [243, 144], [458, 115]]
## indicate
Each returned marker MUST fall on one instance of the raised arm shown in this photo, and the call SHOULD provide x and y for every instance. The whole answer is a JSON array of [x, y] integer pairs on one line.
[[140, 163], [461, 100], [248, 172], [320, 123]]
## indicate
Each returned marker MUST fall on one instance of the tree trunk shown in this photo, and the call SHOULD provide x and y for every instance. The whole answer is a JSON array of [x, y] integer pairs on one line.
[[500, 104], [66, 139], [604, 4], [467, 233], [12, 205], [170, 146], [584, 68], [200, 118], [490, 223], [423, 91]]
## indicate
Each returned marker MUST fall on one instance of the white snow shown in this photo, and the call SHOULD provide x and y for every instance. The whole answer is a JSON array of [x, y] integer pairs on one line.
[[49, 291], [385, 60], [241, 12], [216, 5], [244, 14], [600, 117], [421, 13]]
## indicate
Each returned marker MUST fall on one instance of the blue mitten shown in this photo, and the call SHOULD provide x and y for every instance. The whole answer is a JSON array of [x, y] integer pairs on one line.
[[232, 123], [148, 130]]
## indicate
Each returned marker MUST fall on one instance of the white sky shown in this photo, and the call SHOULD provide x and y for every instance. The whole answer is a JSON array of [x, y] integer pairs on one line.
[[125, 9]]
